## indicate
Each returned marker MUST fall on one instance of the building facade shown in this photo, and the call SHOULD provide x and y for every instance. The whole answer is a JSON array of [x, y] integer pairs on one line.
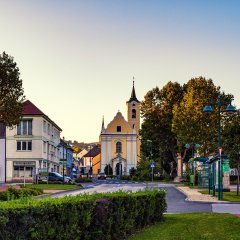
[[120, 143], [32, 146], [66, 158]]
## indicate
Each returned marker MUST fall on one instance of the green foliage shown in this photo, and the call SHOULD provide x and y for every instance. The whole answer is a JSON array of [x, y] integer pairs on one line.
[[82, 180], [11, 91], [190, 124], [108, 170], [14, 193], [156, 110], [231, 138], [98, 216]]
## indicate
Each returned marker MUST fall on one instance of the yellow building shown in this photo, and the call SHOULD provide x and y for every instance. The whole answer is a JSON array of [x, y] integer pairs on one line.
[[120, 143]]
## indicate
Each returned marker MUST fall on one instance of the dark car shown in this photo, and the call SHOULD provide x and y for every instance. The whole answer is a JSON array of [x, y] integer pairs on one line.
[[55, 177], [102, 175]]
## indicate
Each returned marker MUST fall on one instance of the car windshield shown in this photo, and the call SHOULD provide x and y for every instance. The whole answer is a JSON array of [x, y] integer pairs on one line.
[[58, 174]]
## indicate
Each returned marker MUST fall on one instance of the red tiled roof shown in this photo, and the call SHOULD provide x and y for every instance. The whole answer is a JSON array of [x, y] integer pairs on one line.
[[30, 109]]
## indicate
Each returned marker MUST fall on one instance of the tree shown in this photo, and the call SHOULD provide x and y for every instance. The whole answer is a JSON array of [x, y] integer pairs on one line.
[[190, 124], [156, 111], [231, 142], [11, 91], [108, 169]]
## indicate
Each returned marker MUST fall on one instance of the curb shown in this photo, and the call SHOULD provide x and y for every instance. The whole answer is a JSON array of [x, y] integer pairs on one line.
[[196, 201]]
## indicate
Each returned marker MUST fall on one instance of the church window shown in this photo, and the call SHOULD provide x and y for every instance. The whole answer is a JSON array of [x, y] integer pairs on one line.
[[133, 126], [134, 113], [134, 105], [119, 129], [118, 147]]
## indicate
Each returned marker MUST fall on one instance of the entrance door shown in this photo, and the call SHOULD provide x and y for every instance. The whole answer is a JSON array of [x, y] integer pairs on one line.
[[119, 169]]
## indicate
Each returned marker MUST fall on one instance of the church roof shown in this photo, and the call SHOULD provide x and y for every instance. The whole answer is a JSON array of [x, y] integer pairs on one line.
[[133, 95]]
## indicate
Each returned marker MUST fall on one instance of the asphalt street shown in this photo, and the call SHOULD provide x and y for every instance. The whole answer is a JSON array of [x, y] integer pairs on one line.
[[175, 199]]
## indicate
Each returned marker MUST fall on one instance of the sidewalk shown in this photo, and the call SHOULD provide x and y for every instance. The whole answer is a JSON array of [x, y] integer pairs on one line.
[[192, 194]]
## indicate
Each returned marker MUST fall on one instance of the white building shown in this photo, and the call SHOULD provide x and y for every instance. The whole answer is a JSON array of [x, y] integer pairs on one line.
[[32, 146]]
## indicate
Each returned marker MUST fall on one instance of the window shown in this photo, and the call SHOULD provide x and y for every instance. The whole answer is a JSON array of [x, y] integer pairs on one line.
[[119, 129], [134, 113], [118, 147], [44, 126], [24, 127], [24, 145], [133, 126]]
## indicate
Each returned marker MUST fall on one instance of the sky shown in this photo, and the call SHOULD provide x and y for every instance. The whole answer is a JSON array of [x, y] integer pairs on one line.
[[77, 58]]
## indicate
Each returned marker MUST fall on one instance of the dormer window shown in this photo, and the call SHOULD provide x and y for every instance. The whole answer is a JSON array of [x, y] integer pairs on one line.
[[134, 113], [119, 129]]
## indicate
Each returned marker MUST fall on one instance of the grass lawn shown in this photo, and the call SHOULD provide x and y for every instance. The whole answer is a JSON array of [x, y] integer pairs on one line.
[[227, 196], [199, 226], [53, 186]]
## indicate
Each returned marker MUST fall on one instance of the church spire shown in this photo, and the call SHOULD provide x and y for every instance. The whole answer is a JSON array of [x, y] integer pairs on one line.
[[103, 123], [133, 94]]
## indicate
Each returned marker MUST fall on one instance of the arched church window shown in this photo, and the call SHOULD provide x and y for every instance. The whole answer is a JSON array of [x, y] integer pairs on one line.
[[134, 113], [134, 104], [118, 147]]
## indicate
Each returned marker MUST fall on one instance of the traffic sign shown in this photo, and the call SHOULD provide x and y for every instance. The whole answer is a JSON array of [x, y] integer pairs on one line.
[[152, 164]]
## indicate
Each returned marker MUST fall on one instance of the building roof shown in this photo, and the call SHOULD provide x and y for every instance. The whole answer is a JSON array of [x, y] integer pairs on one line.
[[29, 109], [133, 95], [93, 152]]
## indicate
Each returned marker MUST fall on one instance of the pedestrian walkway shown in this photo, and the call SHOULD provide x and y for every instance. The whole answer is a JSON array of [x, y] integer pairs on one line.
[[193, 194]]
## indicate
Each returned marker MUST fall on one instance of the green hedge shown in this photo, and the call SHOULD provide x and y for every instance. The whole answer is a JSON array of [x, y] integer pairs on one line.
[[14, 193], [86, 217], [82, 180]]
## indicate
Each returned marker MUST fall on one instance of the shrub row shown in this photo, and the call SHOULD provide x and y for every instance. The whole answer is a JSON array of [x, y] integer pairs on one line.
[[82, 180], [86, 217], [14, 193]]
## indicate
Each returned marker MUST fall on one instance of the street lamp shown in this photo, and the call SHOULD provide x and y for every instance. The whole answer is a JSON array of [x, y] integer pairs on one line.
[[150, 141], [230, 109]]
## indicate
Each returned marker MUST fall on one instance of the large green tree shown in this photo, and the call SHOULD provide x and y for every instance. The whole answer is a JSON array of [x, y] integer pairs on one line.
[[190, 124], [156, 111], [231, 141], [11, 91]]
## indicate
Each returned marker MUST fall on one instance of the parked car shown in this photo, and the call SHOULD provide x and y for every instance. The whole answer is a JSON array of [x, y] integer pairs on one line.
[[101, 175], [55, 177], [67, 179]]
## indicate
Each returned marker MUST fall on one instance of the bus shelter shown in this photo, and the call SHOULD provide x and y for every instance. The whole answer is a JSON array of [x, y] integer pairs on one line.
[[213, 173], [199, 168]]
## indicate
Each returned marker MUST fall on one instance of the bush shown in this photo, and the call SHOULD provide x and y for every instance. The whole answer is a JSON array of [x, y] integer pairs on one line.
[[126, 177], [14, 193], [82, 180], [98, 216]]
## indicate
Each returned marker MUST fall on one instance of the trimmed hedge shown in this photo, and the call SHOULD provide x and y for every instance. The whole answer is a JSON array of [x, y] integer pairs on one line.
[[86, 217], [82, 180], [14, 193]]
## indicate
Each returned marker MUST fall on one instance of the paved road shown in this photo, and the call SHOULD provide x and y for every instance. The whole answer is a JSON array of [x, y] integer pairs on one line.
[[175, 199]]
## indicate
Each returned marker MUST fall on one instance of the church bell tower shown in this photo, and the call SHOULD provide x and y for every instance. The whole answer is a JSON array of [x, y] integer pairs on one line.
[[133, 111]]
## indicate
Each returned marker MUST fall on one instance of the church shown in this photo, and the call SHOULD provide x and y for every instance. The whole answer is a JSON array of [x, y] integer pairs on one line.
[[120, 143]]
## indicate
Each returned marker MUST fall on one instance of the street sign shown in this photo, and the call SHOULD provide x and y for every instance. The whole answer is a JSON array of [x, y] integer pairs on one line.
[[152, 164]]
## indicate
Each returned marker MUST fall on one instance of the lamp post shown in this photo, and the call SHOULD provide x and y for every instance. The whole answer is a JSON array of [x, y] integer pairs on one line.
[[208, 109], [150, 141]]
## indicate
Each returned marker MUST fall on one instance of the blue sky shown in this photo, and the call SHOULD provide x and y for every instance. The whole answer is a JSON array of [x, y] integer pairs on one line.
[[77, 58]]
